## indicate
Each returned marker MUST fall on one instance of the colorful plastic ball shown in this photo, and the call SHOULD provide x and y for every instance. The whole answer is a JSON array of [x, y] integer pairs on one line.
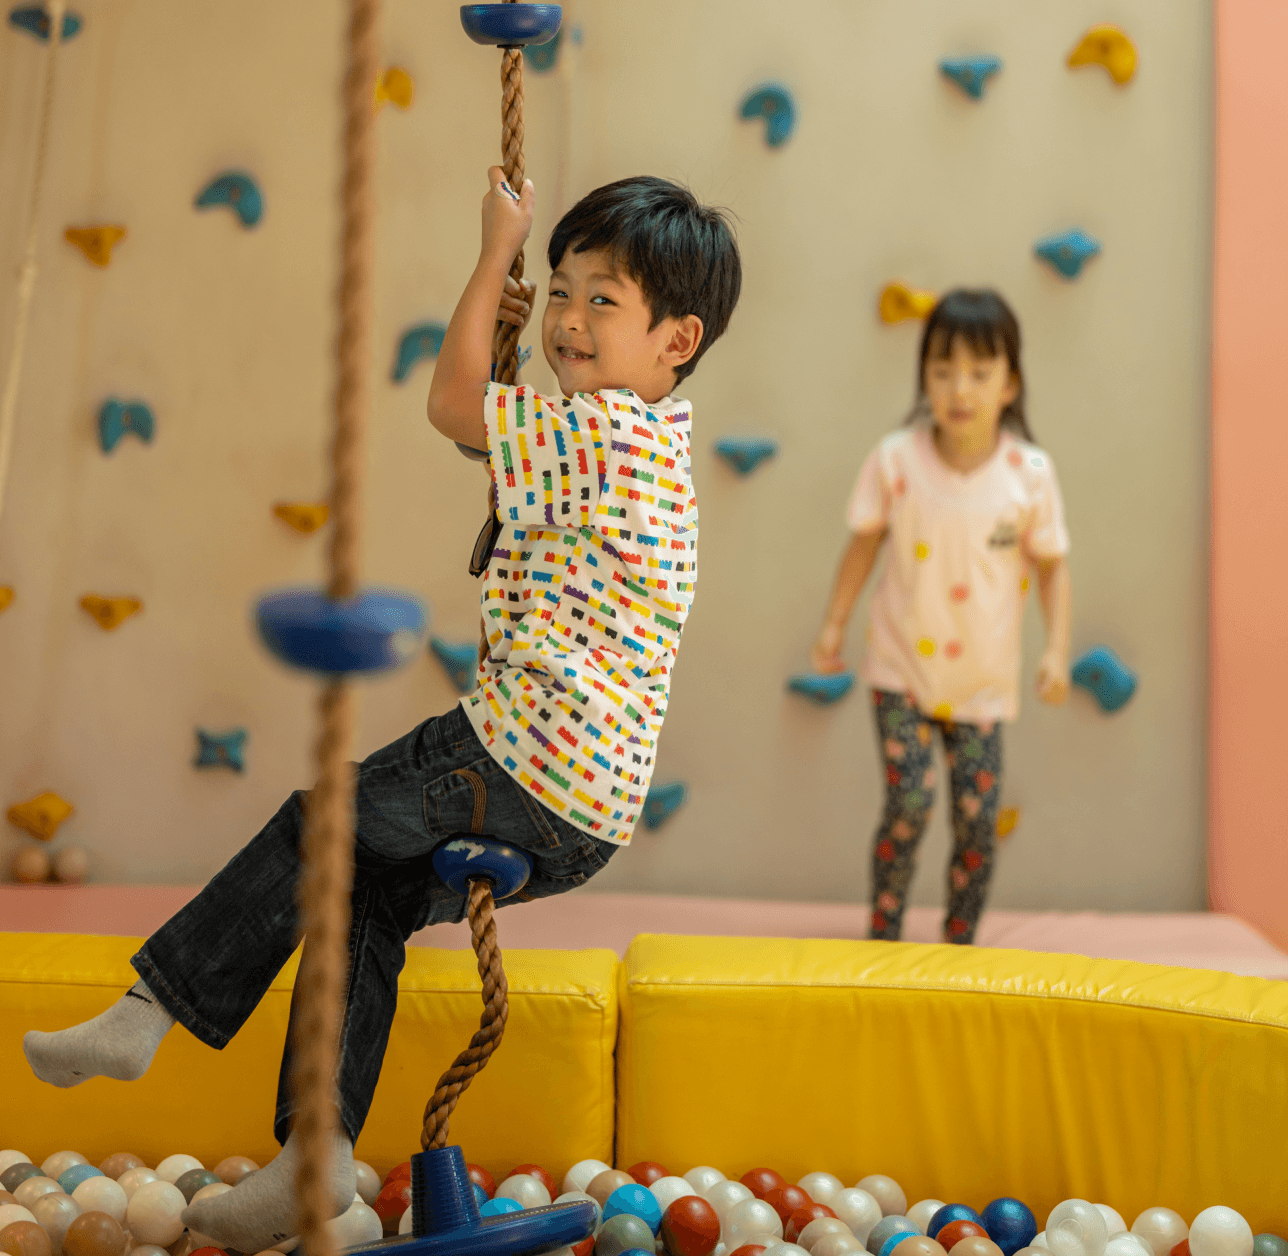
[[395, 1199], [1181, 1249], [1267, 1244], [703, 1177], [858, 1210], [356, 1225], [54, 1166], [918, 1245], [54, 1213], [646, 1172], [1124, 1243], [638, 1251], [1162, 1229], [7, 1198], [542, 1175], [172, 1168], [975, 1245], [749, 1249], [723, 1195], [9, 1157], [26, 1193], [368, 1182], [1114, 1222], [118, 1162], [132, 1179], [690, 1227], [748, 1219], [233, 1168], [885, 1229], [952, 1212], [667, 1190], [887, 1192], [192, 1181], [403, 1170], [498, 1207], [785, 1249], [636, 1200], [820, 1187], [795, 1224], [623, 1233], [153, 1213], [816, 1229], [1010, 1224], [101, 1194], [580, 1175], [602, 1185], [1076, 1228], [894, 1240], [785, 1199], [16, 1174], [24, 1238], [96, 1234], [921, 1212], [10, 1213], [837, 1245], [478, 1175], [948, 1236], [480, 1195], [761, 1181], [71, 1178], [523, 1187], [1220, 1231]]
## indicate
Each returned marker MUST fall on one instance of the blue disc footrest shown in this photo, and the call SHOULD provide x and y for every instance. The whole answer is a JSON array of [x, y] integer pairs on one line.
[[476, 857], [511, 25], [372, 632]]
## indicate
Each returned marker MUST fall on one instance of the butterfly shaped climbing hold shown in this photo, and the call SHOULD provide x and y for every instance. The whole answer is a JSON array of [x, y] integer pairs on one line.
[[971, 73], [6, 597], [663, 802], [304, 517], [116, 418], [1007, 819], [40, 816], [1067, 251], [421, 341], [774, 103], [110, 612], [1105, 676], [1108, 46], [745, 453], [395, 86], [460, 662], [221, 750], [33, 19], [898, 301], [238, 191], [96, 242]]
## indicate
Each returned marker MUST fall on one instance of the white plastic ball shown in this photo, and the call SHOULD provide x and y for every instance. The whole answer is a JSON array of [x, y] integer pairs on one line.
[[784, 1249], [58, 1164], [702, 1178], [1114, 1222], [921, 1212], [748, 1217], [9, 1213], [836, 1245], [859, 1211], [172, 1168], [132, 1179], [1039, 1241], [71, 866], [368, 1181], [9, 1157], [361, 1225], [1125, 1243], [1219, 1231], [887, 1192], [1076, 1228], [819, 1227], [149, 1249], [26, 1193], [212, 1191], [152, 1214], [668, 1189], [579, 1176], [820, 1186], [723, 1195], [1161, 1228], [101, 1194], [524, 1189], [580, 1197], [54, 1213], [405, 1222]]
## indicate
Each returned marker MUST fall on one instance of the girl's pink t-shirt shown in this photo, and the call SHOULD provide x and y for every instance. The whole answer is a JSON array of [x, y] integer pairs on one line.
[[947, 611]]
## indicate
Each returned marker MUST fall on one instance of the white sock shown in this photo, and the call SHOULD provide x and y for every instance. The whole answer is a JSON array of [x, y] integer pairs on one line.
[[118, 1043], [259, 1212]]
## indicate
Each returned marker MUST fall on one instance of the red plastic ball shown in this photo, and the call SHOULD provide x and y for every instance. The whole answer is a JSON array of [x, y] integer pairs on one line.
[[953, 1233], [542, 1175], [585, 1247], [394, 1200], [481, 1177], [761, 1181], [801, 1218], [1181, 1249], [399, 1171], [690, 1227], [648, 1171], [784, 1200], [209, 1251]]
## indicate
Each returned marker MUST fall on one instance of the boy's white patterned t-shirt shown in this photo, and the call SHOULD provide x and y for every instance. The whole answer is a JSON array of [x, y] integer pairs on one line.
[[585, 597]]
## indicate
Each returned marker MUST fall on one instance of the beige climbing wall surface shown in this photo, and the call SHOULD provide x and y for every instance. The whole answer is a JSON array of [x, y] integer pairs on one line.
[[892, 173]]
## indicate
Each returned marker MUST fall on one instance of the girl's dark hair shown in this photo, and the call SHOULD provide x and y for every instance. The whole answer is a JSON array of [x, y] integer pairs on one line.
[[682, 253], [988, 326]]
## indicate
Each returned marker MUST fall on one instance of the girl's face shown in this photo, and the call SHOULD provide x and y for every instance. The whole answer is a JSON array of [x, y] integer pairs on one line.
[[967, 392]]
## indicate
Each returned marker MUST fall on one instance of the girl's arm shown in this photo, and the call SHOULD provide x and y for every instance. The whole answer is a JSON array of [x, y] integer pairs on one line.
[[1056, 595], [856, 566]]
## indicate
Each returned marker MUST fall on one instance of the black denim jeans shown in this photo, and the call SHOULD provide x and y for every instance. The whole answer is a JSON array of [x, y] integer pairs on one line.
[[211, 963]]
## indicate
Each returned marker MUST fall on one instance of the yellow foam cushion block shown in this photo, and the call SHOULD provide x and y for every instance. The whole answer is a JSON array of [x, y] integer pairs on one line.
[[546, 1095], [963, 1073]]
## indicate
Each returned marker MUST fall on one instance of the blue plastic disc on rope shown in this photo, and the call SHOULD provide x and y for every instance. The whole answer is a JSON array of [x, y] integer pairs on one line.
[[472, 856], [372, 632], [511, 25]]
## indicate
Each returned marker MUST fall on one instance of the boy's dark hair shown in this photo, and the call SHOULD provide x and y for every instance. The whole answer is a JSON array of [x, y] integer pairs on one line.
[[682, 253], [986, 323]]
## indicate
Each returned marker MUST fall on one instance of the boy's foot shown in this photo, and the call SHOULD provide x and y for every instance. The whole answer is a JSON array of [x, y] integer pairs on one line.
[[118, 1043], [259, 1212]]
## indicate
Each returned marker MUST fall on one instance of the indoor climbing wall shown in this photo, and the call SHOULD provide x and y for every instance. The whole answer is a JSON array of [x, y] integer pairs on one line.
[[169, 450]]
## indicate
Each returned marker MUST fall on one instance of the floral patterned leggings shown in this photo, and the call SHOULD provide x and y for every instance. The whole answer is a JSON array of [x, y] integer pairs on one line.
[[974, 755]]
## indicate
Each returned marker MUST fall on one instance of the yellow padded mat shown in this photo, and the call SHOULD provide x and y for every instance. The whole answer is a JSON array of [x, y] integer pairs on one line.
[[963, 1073], [546, 1095]]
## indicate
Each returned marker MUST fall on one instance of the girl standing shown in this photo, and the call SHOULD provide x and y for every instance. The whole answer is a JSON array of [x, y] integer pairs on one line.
[[968, 504]]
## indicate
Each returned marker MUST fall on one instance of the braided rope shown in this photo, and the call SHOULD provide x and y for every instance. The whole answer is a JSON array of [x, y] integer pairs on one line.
[[29, 269], [327, 877]]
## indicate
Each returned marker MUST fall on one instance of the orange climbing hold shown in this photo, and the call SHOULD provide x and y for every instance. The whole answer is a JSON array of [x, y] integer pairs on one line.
[[95, 242], [40, 816], [6, 596], [899, 302], [110, 612], [304, 517]]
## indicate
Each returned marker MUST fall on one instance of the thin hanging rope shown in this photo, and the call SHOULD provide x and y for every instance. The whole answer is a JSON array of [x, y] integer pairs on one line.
[[29, 269]]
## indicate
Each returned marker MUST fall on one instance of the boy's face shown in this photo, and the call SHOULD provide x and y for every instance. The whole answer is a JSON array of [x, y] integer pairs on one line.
[[596, 334]]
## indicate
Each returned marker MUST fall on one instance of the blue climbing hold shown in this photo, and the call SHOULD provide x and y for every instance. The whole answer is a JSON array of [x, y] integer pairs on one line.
[[372, 632], [542, 57], [33, 19], [511, 25], [115, 418], [745, 453], [1067, 251], [474, 857], [421, 341], [221, 750], [822, 688], [1105, 676], [971, 73], [460, 662], [663, 802], [236, 190], [774, 103]]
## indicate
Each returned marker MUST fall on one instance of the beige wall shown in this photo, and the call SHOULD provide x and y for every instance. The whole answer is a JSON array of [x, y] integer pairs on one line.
[[891, 173]]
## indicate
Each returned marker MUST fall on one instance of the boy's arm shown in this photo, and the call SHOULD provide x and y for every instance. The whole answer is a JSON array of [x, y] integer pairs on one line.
[[856, 566], [455, 405], [1056, 594]]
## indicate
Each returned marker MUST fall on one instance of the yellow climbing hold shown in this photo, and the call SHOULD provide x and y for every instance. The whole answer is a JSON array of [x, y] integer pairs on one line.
[[943, 712], [6, 597], [1024, 584], [395, 85], [304, 517], [95, 242], [898, 302], [927, 647], [1007, 819], [1108, 46], [40, 816], [922, 551], [110, 612]]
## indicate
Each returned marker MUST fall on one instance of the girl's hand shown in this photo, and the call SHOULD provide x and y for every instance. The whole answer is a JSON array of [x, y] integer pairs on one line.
[[507, 217], [516, 302], [826, 654], [1053, 678]]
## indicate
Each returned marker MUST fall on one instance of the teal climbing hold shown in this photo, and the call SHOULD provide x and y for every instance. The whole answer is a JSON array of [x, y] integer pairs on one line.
[[460, 662], [1105, 676], [221, 750], [971, 73], [822, 687], [33, 19], [421, 341], [774, 103], [115, 418], [663, 802], [1067, 251], [238, 191], [745, 453]]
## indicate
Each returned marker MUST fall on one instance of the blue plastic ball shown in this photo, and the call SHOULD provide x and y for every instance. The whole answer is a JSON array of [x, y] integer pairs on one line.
[[499, 1207], [953, 1212], [637, 1201], [480, 1195], [887, 1248], [1010, 1224], [74, 1176], [637, 1251]]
